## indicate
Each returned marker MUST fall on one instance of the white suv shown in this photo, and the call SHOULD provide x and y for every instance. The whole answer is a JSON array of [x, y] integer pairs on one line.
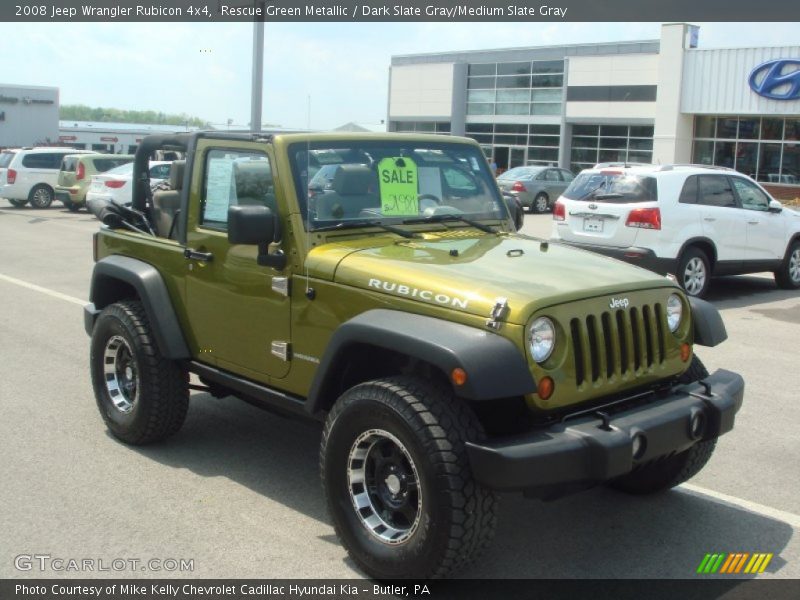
[[31, 174], [690, 220]]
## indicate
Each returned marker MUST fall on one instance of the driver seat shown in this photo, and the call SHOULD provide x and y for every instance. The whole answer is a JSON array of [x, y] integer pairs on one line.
[[353, 190], [167, 203]]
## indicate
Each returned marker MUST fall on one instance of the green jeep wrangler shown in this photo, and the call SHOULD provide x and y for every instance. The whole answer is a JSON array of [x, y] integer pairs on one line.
[[448, 356]]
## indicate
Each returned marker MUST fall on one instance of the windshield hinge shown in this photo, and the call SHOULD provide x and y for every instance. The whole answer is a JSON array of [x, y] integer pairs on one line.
[[281, 350], [280, 285]]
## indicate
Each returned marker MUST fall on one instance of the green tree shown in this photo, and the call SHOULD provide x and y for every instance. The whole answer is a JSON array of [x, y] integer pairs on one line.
[[81, 112]]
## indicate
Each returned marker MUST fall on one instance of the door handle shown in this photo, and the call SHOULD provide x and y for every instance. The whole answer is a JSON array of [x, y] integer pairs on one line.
[[709, 219], [752, 222], [197, 255]]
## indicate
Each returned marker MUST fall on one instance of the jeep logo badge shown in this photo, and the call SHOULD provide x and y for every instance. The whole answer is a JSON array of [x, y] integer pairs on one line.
[[618, 303]]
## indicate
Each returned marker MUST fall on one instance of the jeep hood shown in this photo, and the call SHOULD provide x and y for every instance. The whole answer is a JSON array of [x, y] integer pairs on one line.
[[467, 271]]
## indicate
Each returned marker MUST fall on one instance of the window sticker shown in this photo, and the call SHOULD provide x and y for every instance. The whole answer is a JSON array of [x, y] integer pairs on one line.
[[219, 189], [398, 182]]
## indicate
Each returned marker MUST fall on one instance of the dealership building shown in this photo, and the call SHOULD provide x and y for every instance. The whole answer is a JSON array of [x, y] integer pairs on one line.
[[28, 115], [663, 101]]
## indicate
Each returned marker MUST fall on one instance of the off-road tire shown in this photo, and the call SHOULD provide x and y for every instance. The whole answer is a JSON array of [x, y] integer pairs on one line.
[[790, 265], [162, 397], [536, 205], [18, 203], [666, 473], [41, 196], [457, 517], [692, 259]]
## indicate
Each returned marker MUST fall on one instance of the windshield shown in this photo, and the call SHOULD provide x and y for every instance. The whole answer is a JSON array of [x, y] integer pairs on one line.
[[102, 165], [392, 182], [125, 169], [521, 173], [5, 159], [612, 187]]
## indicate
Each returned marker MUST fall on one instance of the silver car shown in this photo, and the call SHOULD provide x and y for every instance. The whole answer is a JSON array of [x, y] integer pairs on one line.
[[536, 188]]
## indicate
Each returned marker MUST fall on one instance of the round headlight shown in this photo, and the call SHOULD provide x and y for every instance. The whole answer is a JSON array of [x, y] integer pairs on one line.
[[542, 339], [674, 312]]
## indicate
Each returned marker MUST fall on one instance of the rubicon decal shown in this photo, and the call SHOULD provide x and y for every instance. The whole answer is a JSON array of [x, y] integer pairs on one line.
[[412, 292], [777, 79], [734, 563]]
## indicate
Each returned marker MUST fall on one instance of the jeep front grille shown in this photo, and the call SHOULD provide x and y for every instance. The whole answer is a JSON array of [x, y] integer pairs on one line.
[[620, 343]]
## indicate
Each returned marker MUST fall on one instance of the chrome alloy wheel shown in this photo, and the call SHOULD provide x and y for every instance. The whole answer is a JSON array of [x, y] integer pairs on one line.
[[41, 198], [794, 266], [121, 374], [384, 486], [541, 203], [694, 276]]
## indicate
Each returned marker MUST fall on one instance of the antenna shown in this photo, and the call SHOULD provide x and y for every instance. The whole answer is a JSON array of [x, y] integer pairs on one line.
[[305, 191]]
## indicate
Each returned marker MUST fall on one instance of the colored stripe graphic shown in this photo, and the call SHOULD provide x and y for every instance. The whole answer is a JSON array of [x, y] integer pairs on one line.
[[740, 564], [703, 563], [727, 564], [717, 563], [734, 563]]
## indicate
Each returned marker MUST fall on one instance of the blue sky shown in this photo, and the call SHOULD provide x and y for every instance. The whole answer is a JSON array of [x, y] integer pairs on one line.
[[204, 69]]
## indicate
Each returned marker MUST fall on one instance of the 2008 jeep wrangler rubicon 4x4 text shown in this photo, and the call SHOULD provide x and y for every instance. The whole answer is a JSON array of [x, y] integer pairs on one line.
[[448, 356]]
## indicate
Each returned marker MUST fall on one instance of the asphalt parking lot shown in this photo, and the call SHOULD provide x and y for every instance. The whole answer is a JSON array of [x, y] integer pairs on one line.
[[237, 490]]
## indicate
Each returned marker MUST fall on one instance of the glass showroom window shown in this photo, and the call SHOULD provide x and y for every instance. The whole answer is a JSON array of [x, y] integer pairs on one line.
[[442, 127], [765, 148], [592, 144], [515, 88], [542, 141]]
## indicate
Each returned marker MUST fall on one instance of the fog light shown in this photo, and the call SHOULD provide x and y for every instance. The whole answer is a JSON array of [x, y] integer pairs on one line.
[[545, 388], [638, 446], [697, 425]]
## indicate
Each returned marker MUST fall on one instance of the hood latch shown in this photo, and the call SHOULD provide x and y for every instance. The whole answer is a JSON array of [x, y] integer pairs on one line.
[[497, 313]]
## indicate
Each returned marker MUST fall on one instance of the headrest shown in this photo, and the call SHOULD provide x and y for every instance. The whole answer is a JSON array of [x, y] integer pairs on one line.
[[353, 180], [253, 178], [176, 174]]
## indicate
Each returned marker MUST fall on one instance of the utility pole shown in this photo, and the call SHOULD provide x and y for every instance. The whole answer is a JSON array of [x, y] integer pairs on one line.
[[258, 68]]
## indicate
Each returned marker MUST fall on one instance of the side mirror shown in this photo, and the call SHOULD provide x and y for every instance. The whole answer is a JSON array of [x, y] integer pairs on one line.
[[255, 225], [515, 210], [775, 206], [250, 225]]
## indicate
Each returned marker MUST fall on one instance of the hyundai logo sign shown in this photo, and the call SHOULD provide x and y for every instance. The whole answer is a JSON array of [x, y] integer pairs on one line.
[[777, 79]]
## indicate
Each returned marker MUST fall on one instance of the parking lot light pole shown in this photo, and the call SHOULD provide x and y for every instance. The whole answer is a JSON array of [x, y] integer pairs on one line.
[[258, 68]]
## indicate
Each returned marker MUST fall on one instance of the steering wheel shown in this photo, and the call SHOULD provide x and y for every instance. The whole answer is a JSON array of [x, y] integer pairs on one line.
[[428, 202]]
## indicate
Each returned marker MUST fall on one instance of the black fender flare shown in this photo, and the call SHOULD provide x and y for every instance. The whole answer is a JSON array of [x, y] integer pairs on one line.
[[709, 329], [152, 292], [494, 365]]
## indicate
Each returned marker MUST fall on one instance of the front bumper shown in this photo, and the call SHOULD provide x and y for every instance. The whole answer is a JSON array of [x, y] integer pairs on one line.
[[73, 195], [584, 451]]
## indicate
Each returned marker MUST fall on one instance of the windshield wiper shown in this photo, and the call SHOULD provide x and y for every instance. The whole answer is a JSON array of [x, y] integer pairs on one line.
[[451, 217], [592, 191], [369, 223]]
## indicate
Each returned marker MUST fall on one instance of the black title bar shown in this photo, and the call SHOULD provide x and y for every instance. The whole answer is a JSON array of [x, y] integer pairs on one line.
[[544, 11], [698, 588]]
